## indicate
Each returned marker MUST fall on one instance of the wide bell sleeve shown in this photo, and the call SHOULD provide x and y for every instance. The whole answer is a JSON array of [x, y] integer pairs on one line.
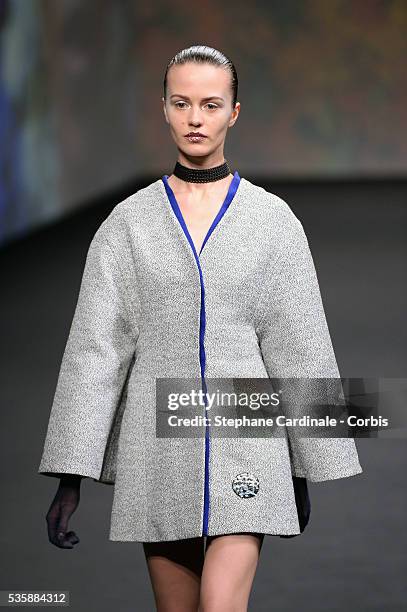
[[295, 342], [95, 363]]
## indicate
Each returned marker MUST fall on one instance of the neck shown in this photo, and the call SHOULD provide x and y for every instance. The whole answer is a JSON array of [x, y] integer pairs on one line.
[[201, 163], [202, 175], [181, 186]]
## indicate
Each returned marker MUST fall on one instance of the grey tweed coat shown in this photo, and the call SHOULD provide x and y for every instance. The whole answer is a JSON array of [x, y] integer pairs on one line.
[[249, 306]]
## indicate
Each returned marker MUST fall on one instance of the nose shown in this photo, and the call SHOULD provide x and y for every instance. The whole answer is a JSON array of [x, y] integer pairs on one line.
[[195, 116]]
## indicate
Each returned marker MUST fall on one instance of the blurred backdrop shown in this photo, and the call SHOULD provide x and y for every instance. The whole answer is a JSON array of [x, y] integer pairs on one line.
[[323, 120], [322, 90]]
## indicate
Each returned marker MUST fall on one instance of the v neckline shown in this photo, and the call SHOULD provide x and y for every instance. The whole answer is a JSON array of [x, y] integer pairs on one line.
[[234, 184]]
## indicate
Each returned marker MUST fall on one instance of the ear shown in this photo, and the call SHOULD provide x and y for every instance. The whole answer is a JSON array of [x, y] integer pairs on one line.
[[235, 114]]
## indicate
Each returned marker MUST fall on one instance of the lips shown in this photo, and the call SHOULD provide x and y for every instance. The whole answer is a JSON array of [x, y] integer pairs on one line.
[[195, 137]]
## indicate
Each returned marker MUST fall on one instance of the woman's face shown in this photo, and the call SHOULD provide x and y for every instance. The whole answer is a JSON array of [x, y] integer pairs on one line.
[[199, 99]]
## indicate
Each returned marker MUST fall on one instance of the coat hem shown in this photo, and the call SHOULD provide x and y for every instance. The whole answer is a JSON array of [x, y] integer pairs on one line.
[[60, 472], [354, 471], [276, 532]]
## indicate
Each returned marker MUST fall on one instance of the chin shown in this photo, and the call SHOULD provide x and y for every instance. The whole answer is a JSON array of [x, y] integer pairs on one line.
[[194, 151]]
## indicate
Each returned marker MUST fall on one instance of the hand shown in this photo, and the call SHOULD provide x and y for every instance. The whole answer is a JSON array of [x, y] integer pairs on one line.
[[63, 506], [302, 499]]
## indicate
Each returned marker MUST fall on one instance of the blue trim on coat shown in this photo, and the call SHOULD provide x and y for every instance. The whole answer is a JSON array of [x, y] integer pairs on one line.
[[202, 357]]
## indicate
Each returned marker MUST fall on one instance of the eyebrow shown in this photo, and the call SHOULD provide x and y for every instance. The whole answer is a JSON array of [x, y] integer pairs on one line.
[[203, 99]]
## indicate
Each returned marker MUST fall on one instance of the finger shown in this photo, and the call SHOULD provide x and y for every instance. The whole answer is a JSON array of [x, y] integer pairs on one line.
[[60, 531], [52, 525], [63, 521], [71, 535], [58, 538], [62, 541]]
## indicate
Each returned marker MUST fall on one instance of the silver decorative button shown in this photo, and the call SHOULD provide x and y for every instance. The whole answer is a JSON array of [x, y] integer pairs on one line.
[[245, 485]]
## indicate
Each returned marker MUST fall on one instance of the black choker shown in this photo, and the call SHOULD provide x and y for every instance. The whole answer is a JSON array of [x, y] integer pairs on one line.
[[206, 175]]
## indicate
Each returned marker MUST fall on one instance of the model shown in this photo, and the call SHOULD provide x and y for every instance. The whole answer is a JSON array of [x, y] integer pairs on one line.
[[200, 275]]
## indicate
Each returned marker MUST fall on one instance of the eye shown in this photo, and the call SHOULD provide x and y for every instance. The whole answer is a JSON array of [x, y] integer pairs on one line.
[[210, 105]]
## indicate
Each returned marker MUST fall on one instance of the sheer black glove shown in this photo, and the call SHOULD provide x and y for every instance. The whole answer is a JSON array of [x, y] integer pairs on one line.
[[303, 503], [62, 507]]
